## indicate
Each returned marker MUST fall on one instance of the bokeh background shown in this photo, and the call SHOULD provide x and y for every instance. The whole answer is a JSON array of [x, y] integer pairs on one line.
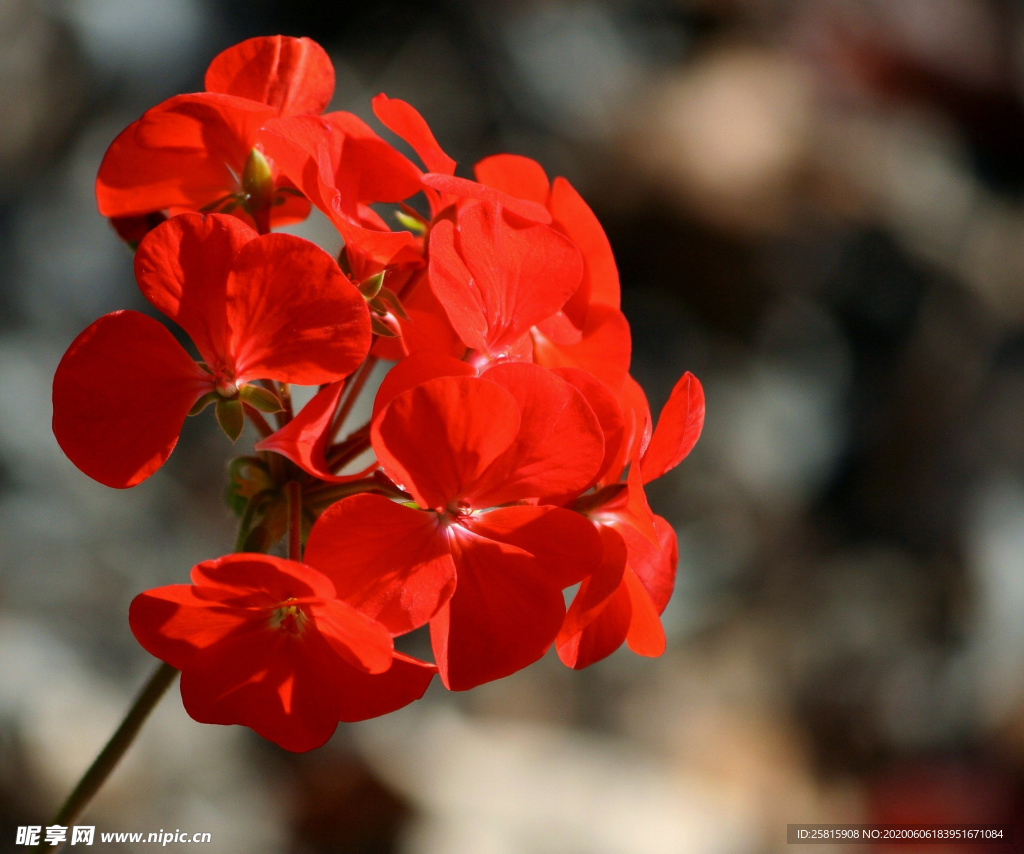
[[817, 206]]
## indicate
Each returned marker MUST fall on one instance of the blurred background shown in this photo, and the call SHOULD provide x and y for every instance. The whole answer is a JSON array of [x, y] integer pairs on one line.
[[817, 206]]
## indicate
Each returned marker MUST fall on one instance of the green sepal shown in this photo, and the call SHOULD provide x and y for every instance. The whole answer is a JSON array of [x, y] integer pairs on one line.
[[370, 287], [230, 417], [203, 402], [260, 398]]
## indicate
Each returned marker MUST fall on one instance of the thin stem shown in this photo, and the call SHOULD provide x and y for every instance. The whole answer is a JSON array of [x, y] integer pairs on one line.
[[294, 492], [330, 493], [349, 448], [257, 420], [118, 745], [355, 385]]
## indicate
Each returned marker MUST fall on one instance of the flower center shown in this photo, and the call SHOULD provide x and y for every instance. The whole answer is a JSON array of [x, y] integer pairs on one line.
[[289, 618]]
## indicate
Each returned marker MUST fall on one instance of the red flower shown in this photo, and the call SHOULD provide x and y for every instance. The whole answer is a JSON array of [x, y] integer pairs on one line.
[[484, 568], [271, 307], [589, 331], [264, 642], [497, 276], [623, 598], [200, 152]]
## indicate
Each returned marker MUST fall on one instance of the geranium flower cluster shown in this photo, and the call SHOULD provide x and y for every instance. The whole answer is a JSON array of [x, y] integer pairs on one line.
[[508, 450]]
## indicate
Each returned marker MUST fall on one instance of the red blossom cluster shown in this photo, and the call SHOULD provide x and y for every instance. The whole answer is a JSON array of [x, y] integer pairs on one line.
[[510, 446]]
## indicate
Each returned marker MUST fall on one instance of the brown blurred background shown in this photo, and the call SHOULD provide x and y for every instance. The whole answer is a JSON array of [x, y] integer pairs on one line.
[[817, 206]]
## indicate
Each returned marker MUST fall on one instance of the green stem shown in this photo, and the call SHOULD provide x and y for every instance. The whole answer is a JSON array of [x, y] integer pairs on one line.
[[118, 745]]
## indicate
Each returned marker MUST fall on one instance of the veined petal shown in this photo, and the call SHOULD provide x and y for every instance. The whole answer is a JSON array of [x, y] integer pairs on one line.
[[607, 410], [604, 349], [678, 429], [292, 314], [293, 75], [415, 370], [437, 439], [504, 615], [514, 175], [646, 635], [463, 188], [566, 545], [518, 275], [403, 120], [390, 562], [182, 267], [366, 696], [173, 623], [599, 600], [305, 438], [574, 218], [558, 448], [120, 395], [184, 153]]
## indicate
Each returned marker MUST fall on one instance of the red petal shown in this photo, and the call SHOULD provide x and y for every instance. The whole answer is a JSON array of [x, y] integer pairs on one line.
[[678, 430], [404, 121], [253, 580], [654, 565], [365, 696], [566, 544], [504, 615], [293, 315], [237, 667], [646, 635], [185, 153], [605, 407], [453, 284], [598, 619], [257, 584], [515, 176], [437, 439], [120, 396], [602, 636], [415, 370], [496, 278], [389, 561], [637, 431], [604, 349], [558, 448], [361, 641], [574, 218], [173, 623], [182, 267], [370, 169], [267, 681], [295, 76], [428, 327], [305, 438], [465, 189]]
